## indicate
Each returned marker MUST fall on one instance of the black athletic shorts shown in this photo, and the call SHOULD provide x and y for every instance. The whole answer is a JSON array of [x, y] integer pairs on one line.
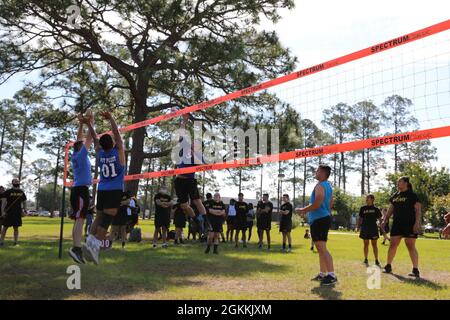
[[240, 223], [185, 189], [369, 233], [264, 223], [406, 230], [285, 226], [320, 228], [13, 219], [215, 223], [179, 220], [231, 221], [79, 201], [162, 220], [249, 224], [109, 199]]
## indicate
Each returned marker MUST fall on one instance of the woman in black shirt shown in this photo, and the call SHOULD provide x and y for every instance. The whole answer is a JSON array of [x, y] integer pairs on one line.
[[406, 210], [367, 223]]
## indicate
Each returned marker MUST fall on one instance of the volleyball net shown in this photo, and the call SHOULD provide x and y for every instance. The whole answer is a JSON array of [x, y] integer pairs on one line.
[[415, 67]]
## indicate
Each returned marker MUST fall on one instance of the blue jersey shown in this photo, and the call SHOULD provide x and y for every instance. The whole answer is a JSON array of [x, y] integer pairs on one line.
[[111, 171], [81, 166], [324, 209]]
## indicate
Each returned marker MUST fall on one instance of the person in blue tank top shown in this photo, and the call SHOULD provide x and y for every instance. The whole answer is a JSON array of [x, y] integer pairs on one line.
[[111, 162], [319, 218], [79, 193]]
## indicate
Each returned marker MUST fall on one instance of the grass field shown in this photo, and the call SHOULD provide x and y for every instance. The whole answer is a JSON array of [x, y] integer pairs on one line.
[[33, 271]]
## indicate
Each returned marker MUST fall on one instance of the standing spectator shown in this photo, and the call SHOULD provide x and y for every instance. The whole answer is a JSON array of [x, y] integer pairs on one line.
[[163, 205], [13, 208], [179, 220], [250, 220], [286, 222], [406, 210], [385, 231], [241, 219], [264, 219], [231, 220]]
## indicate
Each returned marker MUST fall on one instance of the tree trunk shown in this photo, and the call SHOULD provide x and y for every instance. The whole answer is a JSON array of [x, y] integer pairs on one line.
[[24, 135], [344, 178], [2, 140], [240, 180], [368, 171], [146, 192], [55, 182], [363, 173]]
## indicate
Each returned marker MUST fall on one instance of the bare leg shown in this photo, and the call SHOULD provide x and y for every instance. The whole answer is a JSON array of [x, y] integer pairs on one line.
[[395, 241], [413, 254], [326, 260], [375, 248]]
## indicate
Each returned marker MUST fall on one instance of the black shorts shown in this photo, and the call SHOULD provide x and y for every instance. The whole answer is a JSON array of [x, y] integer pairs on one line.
[[240, 223], [109, 199], [369, 233], [12, 219], [285, 226], [185, 189], [264, 224], [79, 201], [215, 223], [249, 224], [405, 230], [231, 221], [179, 220], [320, 228], [162, 219]]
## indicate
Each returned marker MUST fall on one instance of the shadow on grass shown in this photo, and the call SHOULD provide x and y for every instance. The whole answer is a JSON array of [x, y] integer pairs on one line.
[[327, 293], [33, 271], [421, 282]]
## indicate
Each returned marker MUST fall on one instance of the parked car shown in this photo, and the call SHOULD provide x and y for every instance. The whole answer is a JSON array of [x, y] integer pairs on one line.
[[31, 213], [44, 214]]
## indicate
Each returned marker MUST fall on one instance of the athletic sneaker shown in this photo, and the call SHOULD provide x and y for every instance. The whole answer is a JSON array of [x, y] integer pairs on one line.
[[366, 261], [318, 278], [91, 249], [415, 273], [77, 256], [328, 281], [260, 246], [236, 245], [289, 250], [378, 263], [388, 268], [208, 248], [164, 245]]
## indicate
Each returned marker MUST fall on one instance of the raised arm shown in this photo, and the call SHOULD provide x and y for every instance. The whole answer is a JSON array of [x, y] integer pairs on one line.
[[80, 127], [92, 134], [117, 137]]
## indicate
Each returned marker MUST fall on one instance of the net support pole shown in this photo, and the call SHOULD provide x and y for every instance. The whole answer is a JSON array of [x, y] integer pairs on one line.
[[62, 213]]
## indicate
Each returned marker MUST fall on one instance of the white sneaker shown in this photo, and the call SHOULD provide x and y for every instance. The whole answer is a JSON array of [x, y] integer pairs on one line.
[[164, 245], [91, 249]]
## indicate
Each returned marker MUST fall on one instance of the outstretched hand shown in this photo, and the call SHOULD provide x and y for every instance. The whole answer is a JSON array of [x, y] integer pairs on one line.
[[107, 115]]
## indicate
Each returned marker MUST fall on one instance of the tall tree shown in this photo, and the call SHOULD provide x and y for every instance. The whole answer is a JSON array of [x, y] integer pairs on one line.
[[8, 129], [163, 54], [338, 120]]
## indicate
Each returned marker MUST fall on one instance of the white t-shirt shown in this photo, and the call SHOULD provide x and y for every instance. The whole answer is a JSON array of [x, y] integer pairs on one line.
[[231, 210], [131, 205]]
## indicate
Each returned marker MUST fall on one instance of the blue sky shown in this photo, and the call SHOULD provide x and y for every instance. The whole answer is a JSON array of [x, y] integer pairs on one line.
[[316, 31]]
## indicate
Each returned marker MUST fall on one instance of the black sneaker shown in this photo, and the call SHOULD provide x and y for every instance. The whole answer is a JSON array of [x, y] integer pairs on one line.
[[236, 245], [388, 268], [216, 250], [77, 256], [260, 246], [312, 249], [208, 248], [415, 273], [318, 278], [328, 281], [366, 261], [378, 263]]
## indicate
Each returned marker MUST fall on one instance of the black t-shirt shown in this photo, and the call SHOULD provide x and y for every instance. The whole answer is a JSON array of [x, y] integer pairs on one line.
[[178, 210], [164, 198], [264, 205], [216, 206], [14, 199], [241, 210], [207, 204], [286, 207], [369, 216], [404, 202]]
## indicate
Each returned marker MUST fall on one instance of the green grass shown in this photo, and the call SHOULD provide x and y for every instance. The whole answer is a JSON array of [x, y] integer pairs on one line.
[[33, 271]]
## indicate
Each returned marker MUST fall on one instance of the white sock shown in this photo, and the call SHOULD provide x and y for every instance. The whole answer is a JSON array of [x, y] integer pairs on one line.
[[332, 274], [321, 274]]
